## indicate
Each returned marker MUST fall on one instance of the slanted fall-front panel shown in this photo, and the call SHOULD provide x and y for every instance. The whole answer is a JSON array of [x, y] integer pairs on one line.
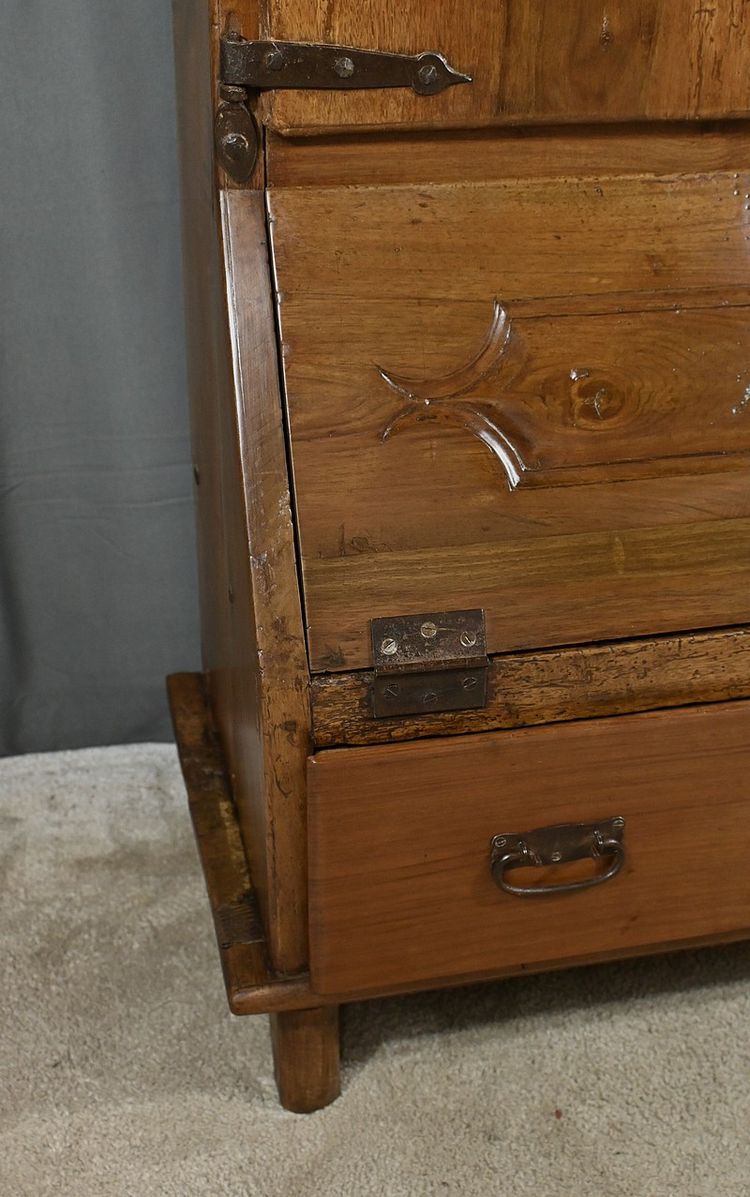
[[527, 394]]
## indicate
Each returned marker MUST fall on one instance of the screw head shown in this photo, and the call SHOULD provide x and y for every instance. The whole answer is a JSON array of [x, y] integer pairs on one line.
[[556, 856], [618, 822], [469, 682], [429, 698], [427, 74], [344, 67], [273, 60], [428, 629], [499, 841], [468, 639], [388, 646], [235, 145], [392, 690]]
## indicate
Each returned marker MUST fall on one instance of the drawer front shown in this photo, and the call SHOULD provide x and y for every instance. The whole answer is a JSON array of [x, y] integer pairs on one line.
[[401, 885]]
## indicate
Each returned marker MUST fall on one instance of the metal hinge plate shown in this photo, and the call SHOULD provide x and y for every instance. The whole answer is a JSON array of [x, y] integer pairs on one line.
[[266, 65], [436, 661]]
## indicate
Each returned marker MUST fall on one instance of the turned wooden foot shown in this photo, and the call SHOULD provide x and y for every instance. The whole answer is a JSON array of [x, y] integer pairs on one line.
[[306, 1057]]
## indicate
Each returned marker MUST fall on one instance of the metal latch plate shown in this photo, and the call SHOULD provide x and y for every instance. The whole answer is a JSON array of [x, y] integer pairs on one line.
[[436, 661]]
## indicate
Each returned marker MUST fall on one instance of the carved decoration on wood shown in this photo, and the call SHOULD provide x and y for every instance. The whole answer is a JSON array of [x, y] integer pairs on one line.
[[551, 425], [443, 399]]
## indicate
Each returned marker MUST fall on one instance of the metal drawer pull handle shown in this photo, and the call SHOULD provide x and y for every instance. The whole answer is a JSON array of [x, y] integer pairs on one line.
[[558, 845]]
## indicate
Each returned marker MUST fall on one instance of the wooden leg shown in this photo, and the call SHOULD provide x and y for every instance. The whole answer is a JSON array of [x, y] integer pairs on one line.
[[306, 1057]]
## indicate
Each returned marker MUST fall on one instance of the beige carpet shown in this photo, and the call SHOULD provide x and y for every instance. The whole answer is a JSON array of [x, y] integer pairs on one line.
[[122, 1072]]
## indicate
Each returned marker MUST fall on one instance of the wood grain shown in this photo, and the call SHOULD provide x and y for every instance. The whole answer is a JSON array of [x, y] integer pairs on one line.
[[580, 398], [530, 61], [233, 900], [257, 681], [483, 155], [570, 236], [552, 686], [268, 717], [306, 1058], [305, 1041], [550, 590], [623, 382], [400, 885]]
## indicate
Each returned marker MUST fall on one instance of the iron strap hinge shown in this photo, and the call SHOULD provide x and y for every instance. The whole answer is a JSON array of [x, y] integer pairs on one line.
[[266, 65], [431, 662]]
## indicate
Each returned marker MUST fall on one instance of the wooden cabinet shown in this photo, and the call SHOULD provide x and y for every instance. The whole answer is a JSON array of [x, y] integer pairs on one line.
[[483, 350]]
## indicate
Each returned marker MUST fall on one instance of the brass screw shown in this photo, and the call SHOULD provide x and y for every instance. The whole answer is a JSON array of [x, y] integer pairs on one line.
[[388, 647], [468, 639], [428, 629]]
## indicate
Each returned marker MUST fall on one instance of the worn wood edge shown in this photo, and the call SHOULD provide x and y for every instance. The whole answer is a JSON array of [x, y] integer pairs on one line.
[[409, 156], [293, 999], [239, 933], [252, 988], [283, 670], [552, 686], [231, 653]]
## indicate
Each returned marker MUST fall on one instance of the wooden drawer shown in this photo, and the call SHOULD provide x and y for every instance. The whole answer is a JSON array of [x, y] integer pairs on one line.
[[400, 836]]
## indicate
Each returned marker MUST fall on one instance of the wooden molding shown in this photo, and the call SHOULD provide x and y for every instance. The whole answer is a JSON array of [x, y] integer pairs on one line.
[[553, 685]]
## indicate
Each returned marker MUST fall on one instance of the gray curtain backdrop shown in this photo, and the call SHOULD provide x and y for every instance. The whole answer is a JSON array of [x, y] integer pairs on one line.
[[97, 576]]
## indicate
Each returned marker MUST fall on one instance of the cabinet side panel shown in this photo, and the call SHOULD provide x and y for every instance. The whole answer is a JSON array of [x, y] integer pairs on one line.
[[252, 640]]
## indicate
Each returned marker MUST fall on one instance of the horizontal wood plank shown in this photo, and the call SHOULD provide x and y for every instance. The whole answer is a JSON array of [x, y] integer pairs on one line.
[[514, 239], [482, 155], [530, 61], [582, 398], [551, 686], [549, 590]]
